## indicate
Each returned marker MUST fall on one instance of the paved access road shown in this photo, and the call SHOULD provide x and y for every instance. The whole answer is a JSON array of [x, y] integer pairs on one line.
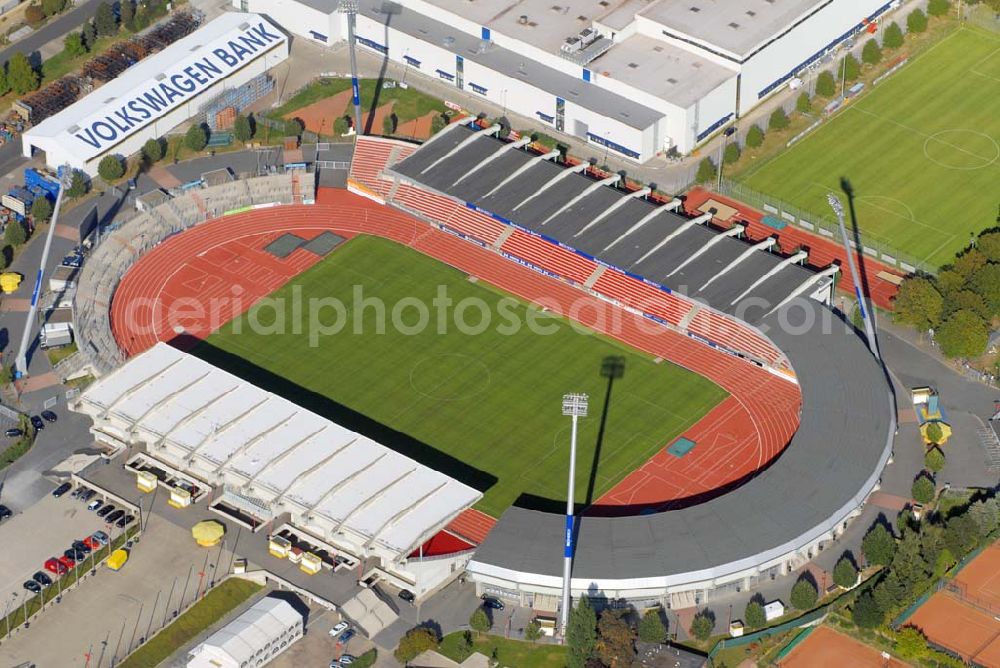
[[63, 24]]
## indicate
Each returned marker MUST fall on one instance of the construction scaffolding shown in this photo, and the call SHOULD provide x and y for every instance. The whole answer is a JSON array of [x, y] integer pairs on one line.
[[220, 111]]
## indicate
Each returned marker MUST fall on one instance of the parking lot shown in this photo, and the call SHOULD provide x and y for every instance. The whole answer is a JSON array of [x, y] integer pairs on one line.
[[42, 531], [317, 647]]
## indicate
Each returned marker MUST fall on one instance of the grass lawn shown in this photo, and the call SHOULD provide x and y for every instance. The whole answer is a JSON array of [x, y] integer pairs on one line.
[[509, 652], [409, 102], [922, 151], [57, 355], [483, 407], [214, 606]]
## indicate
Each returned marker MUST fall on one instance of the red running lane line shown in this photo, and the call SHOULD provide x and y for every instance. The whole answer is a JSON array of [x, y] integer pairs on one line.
[[735, 440]]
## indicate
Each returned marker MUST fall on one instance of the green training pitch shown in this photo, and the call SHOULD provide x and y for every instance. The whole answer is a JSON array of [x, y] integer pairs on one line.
[[922, 151], [489, 401]]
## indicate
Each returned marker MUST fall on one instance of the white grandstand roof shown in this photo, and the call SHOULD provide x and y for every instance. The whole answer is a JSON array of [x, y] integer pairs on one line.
[[279, 449]]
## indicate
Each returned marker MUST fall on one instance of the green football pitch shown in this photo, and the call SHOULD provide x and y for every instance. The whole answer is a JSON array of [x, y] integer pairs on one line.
[[484, 407], [922, 151]]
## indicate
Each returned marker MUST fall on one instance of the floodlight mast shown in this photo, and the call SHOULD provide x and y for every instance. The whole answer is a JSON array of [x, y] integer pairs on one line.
[[838, 210], [350, 9], [21, 361], [575, 406]]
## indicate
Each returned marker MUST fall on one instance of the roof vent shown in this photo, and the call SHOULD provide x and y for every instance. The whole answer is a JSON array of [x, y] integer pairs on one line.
[[696, 9], [523, 19], [671, 80], [751, 12], [658, 49], [734, 26], [160, 77], [244, 26], [73, 128], [633, 65]]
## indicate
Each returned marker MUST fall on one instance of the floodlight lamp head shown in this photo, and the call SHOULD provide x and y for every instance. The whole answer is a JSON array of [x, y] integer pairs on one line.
[[835, 204], [574, 404], [348, 7]]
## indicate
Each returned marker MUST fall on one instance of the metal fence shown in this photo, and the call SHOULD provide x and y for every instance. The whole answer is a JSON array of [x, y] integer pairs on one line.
[[805, 620], [819, 224], [982, 16]]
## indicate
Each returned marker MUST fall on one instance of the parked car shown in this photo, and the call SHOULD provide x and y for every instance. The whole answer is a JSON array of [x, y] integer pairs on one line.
[[105, 510], [32, 586], [62, 489], [75, 555], [91, 543], [13, 432], [125, 521], [88, 495], [77, 492], [67, 562], [49, 416], [339, 628], [94, 505], [100, 537], [492, 603], [82, 546], [55, 566], [115, 516], [5, 512], [347, 659], [37, 423], [407, 595], [345, 637], [42, 579]]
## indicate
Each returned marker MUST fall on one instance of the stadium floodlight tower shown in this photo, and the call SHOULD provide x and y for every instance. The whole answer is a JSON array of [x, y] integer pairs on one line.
[[838, 210], [350, 9], [21, 362], [575, 406]]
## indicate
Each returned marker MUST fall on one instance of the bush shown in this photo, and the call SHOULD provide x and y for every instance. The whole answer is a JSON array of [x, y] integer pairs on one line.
[[845, 573], [41, 209], [963, 334], [850, 68], [89, 34], [871, 53], [753, 614], [480, 621], [731, 153], [778, 120], [892, 38], [196, 138], [706, 171], [910, 643], [826, 84], [702, 625], [938, 7], [128, 14], [866, 613], [152, 151], [15, 234], [533, 631], [439, 123], [415, 642], [293, 127], [105, 20], [73, 45], [923, 489], [389, 124], [755, 136], [34, 14], [916, 21], [804, 594], [366, 660], [53, 7], [111, 168], [934, 459], [77, 185], [341, 125], [803, 103], [651, 628]]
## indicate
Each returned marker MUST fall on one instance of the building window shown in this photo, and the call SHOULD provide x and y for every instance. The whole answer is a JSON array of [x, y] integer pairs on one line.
[[476, 88], [618, 148], [445, 75], [412, 62], [375, 46], [318, 36]]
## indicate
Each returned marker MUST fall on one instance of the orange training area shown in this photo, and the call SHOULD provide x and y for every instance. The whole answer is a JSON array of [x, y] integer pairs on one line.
[[826, 648]]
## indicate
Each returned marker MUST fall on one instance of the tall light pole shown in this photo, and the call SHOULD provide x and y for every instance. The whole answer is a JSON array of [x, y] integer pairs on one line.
[[838, 209], [575, 406], [350, 9]]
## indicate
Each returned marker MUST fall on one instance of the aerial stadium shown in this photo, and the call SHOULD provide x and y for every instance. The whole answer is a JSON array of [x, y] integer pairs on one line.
[[739, 427]]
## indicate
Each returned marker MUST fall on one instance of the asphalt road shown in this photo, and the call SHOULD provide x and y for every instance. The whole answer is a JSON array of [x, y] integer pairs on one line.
[[67, 22]]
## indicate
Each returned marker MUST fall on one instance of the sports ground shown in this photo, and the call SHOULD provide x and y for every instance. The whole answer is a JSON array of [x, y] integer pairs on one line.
[[922, 151], [488, 397]]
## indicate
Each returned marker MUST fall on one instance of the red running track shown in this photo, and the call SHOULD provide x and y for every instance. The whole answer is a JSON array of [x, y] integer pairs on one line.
[[735, 440]]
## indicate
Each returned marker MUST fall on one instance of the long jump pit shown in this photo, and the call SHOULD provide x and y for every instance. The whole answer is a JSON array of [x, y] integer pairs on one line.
[[826, 648]]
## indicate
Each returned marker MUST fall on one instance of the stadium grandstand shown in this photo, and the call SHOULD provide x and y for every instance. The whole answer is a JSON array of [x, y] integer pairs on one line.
[[576, 224]]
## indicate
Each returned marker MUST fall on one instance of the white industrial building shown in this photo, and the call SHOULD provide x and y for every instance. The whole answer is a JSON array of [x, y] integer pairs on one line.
[[273, 461], [158, 93], [637, 77], [264, 631]]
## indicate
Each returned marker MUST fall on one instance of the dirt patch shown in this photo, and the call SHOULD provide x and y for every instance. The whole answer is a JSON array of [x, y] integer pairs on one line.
[[418, 128], [318, 117]]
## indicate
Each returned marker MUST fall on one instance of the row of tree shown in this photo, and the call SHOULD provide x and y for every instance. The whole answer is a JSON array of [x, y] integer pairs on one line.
[[608, 640]]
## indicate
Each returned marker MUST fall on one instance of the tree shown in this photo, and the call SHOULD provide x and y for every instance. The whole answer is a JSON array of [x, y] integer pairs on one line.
[[388, 127], [731, 154], [845, 573], [242, 129], [341, 125], [985, 282], [533, 631], [938, 7], [77, 185], [967, 299], [706, 171], [754, 615], [985, 514], [962, 335], [850, 67], [755, 136], [480, 621], [438, 123], [89, 34], [803, 103], [41, 209], [195, 138], [778, 120], [826, 84], [15, 235], [804, 594], [651, 628], [988, 244], [128, 14], [878, 545], [871, 53], [922, 489], [892, 38], [73, 45], [969, 262], [910, 643], [110, 168], [415, 642], [105, 21], [916, 21], [53, 7], [34, 14], [866, 613], [616, 640], [367, 659], [21, 76], [152, 151], [581, 633], [960, 535], [293, 127], [4, 84], [934, 459], [918, 303], [702, 625]]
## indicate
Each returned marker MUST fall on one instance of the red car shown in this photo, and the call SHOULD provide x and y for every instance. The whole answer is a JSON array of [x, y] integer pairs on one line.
[[66, 562], [55, 566], [91, 543]]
